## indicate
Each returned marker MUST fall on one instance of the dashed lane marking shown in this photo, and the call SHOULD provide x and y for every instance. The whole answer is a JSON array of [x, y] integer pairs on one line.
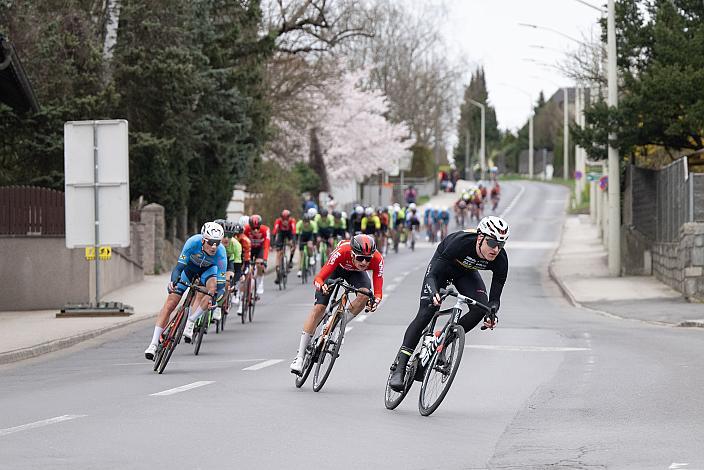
[[39, 424], [348, 329], [390, 287], [182, 388], [515, 199], [264, 364], [225, 361], [497, 347], [361, 317]]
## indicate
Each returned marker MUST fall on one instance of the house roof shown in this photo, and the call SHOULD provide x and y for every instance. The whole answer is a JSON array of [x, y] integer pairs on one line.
[[15, 89]]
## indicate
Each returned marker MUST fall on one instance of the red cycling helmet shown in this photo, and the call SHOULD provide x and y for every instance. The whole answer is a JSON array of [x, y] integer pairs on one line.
[[285, 214], [363, 245], [255, 222]]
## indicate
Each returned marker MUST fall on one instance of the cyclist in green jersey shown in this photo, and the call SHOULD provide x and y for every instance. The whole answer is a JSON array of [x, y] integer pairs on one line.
[[306, 231], [326, 224], [339, 225], [233, 248]]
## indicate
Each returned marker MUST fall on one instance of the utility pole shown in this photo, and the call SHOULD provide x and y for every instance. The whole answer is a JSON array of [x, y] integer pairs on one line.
[[566, 135], [614, 167], [466, 156]]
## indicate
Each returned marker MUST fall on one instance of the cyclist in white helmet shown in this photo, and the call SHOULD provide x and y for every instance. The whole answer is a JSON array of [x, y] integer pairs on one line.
[[203, 256], [458, 260]]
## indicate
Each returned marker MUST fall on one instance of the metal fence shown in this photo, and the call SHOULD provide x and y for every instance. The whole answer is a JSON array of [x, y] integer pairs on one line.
[[661, 201], [31, 211]]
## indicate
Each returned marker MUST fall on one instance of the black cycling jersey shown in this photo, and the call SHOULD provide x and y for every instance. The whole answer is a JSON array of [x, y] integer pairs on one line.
[[456, 256], [456, 261]]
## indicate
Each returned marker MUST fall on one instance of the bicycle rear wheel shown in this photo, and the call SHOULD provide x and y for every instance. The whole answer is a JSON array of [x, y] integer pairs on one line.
[[329, 352], [441, 372], [393, 398]]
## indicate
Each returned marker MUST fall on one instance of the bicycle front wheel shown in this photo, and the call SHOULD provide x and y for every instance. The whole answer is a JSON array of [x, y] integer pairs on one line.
[[441, 372], [307, 367], [330, 351], [202, 327], [392, 398], [253, 303], [174, 338]]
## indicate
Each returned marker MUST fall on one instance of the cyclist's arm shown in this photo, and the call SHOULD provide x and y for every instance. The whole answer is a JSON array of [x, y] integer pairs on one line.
[[498, 279], [293, 226], [276, 227], [221, 261], [236, 251], [314, 226], [267, 241], [377, 266], [191, 245], [364, 224], [377, 223], [332, 263]]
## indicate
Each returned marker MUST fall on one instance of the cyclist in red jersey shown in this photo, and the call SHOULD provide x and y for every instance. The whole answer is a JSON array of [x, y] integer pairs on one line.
[[495, 195], [349, 261], [284, 230], [260, 237]]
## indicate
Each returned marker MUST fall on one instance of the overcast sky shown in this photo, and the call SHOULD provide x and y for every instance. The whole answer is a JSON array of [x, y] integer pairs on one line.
[[486, 32]]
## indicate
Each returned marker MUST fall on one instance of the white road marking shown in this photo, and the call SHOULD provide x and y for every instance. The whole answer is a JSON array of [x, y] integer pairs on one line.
[[524, 348], [390, 287], [400, 278], [182, 388], [513, 201], [264, 364], [678, 465], [39, 424], [361, 317], [348, 329], [187, 362], [527, 245]]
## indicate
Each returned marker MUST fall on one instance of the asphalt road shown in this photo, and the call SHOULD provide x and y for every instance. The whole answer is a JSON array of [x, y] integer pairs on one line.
[[552, 387]]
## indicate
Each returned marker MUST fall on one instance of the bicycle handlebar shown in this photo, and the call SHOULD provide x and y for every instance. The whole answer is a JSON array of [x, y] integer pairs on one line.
[[452, 292], [200, 289], [350, 288]]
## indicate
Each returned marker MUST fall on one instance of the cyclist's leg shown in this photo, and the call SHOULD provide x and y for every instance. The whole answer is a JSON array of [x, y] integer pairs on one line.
[[360, 280], [472, 285]]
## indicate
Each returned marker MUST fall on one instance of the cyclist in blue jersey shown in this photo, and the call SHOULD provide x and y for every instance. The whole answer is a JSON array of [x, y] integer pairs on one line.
[[202, 256]]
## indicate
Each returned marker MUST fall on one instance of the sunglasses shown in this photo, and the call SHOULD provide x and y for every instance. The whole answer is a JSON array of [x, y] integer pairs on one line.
[[363, 258], [213, 242], [494, 243]]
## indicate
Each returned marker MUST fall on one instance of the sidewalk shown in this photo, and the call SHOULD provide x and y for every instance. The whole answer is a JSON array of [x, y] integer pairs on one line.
[[580, 268], [27, 334]]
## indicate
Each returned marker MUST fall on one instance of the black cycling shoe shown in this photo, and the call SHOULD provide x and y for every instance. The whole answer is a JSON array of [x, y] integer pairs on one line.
[[397, 381]]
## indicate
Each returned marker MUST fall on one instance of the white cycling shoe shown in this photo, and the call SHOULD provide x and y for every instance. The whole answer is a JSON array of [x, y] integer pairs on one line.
[[217, 313], [150, 352], [297, 366], [260, 287], [188, 332]]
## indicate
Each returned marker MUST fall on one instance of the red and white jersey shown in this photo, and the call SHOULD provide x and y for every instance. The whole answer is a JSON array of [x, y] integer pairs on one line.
[[259, 238], [284, 225], [342, 256]]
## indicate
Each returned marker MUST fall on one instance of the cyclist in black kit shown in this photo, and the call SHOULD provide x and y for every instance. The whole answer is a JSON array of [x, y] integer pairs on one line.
[[458, 260]]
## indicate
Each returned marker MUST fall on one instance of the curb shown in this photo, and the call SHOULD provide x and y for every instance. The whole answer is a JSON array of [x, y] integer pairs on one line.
[[691, 324], [63, 343]]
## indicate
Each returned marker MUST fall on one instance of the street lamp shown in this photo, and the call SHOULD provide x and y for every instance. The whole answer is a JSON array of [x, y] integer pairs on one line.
[[533, 26], [482, 145]]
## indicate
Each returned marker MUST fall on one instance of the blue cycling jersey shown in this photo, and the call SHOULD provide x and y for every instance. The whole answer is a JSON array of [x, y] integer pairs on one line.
[[194, 261]]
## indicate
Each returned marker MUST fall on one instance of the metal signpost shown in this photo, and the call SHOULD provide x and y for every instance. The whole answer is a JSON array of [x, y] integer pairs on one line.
[[96, 168]]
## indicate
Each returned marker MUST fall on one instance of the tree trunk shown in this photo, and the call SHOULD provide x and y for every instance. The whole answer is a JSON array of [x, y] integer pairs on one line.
[[317, 163]]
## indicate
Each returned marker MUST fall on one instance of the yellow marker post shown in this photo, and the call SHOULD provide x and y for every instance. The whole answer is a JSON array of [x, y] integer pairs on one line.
[[90, 253], [105, 253]]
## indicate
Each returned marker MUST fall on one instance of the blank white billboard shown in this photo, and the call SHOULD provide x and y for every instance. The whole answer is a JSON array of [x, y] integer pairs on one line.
[[105, 144]]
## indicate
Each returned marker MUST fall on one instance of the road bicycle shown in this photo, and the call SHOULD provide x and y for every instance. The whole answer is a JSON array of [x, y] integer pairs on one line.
[[172, 334], [201, 329], [224, 308], [323, 251], [249, 293], [283, 268], [436, 358], [324, 347], [306, 264]]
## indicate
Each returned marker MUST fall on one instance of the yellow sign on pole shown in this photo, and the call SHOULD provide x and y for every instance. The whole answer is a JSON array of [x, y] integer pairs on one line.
[[105, 253], [90, 253]]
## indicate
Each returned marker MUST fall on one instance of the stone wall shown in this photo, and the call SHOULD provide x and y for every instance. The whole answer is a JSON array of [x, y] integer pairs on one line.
[[680, 264]]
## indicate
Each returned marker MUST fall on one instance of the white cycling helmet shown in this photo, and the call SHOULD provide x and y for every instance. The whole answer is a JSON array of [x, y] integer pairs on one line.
[[244, 220], [494, 227], [359, 210], [412, 206], [344, 214], [212, 231], [312, 212], [369, 211]]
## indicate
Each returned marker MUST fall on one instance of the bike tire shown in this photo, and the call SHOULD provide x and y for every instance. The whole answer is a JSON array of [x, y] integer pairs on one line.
[[172, 344], [393, 398], [246, 299], [201, 332], [307, 368], [426, 404], [336, 344], [253, 303]]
